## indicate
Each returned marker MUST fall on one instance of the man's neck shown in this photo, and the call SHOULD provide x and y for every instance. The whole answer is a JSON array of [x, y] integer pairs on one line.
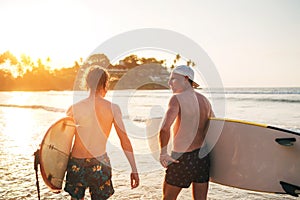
[[185, 89], [98, 94]]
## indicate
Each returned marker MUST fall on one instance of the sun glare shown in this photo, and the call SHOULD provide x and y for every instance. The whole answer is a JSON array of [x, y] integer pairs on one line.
[[32, 31], [19, 125]]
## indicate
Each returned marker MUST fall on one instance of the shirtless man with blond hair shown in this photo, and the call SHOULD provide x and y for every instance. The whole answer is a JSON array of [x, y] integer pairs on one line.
[[186, 119], [89, 166]]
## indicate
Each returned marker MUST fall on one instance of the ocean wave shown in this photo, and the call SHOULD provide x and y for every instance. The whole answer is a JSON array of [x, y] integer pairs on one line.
[[141, 119], [47, 108], [282, 100], [279, 100], [279, 91]]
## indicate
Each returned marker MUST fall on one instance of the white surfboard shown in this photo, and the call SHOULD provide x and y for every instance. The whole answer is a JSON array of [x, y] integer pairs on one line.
[[254, 156], [54, 152], [251, 156]]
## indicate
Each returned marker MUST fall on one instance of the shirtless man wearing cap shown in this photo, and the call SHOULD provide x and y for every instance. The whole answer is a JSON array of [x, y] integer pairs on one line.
[[186, 118]]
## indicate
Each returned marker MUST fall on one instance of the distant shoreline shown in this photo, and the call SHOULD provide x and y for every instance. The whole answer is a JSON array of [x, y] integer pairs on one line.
[[154, 87]]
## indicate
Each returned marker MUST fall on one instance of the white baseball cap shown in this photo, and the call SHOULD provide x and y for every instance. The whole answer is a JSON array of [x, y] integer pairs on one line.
[[185, 70]]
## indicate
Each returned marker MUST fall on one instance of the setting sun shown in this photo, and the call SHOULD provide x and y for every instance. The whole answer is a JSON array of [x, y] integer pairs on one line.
[[45, 30]]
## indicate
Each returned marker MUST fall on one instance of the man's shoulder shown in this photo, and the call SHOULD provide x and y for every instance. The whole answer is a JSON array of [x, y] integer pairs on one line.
[[79, 103], [174, 98], [107, 105], [200, 95], [106, 102]]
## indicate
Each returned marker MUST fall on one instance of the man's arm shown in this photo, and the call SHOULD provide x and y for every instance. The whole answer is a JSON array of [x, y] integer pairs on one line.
[[69, 112], [164, 133], [211, 112], [125, 144]]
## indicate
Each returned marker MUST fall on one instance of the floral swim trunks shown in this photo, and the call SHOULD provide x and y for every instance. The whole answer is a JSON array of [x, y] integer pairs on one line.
[[94, 173], [190, 169]]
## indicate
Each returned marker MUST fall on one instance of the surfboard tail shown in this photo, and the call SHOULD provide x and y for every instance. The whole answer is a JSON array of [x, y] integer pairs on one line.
[[290, 189]]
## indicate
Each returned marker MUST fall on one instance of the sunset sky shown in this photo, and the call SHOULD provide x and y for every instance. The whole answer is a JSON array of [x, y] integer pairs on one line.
[[251, 42]]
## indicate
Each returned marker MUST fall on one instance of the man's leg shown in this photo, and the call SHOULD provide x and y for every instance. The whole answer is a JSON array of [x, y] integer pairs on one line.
[[200, 191], [76, 198], [170, 192]]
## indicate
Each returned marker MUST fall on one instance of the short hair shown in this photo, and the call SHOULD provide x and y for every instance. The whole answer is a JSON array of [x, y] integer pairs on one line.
[[191, 82], [97, 78]]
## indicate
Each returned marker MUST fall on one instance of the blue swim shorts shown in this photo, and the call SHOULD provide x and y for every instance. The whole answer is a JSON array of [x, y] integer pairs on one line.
[[92, 173]]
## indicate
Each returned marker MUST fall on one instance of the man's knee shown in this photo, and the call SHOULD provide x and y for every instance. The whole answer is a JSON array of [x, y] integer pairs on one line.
[[200, 191], [170, 192]]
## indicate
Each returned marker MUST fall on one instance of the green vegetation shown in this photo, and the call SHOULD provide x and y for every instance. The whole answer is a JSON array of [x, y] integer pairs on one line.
[[26, 75], [23, 74]]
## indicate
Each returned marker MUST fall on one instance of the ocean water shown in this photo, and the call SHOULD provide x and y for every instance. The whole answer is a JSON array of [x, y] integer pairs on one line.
[[26, 116]]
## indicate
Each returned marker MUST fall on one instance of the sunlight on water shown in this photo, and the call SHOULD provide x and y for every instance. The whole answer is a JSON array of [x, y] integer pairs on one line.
[[19, 126], [22, 129], [20, 98]]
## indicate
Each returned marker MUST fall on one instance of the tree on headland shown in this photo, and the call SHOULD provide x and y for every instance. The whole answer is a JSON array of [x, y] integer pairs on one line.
[[98, 59], [28, 75], [7, 55], [178, 58]]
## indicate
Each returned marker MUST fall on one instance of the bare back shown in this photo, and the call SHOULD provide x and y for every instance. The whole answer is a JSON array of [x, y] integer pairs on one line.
[[95, 118], [190, 123]]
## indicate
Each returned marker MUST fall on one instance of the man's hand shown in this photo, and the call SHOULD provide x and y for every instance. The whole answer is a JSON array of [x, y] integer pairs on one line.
[[165, 159], [134, 180]]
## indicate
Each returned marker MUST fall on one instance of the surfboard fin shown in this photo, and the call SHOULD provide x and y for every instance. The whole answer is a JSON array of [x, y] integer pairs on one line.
[[290, 188], [286, 141]]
